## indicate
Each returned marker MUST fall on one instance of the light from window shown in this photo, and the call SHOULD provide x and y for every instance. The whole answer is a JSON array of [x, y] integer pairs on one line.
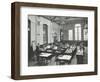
[[77, 31], [70, 34], [85, 31]]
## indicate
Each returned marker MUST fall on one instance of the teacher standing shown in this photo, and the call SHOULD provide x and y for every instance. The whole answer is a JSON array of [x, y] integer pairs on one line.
[[79, 55]]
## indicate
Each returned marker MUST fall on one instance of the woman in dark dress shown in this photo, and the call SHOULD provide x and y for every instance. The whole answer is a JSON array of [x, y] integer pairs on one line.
[[79, 55], [37, 52]]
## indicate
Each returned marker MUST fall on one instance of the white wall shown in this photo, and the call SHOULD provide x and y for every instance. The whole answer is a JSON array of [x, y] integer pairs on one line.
[[56, 29], [5, 41], [48, 23], [33, 31], [37, 30]]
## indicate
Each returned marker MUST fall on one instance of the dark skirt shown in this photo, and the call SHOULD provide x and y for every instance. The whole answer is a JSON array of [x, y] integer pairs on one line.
[[79, 59]]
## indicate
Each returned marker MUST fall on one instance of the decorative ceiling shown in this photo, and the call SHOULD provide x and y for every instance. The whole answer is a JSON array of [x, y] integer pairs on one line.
[[64, 19]]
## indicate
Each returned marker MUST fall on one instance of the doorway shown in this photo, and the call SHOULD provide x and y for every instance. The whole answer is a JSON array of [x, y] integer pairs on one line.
[[45, 34]]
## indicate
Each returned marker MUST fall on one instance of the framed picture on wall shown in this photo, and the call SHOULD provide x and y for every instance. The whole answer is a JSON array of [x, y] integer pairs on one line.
[[51, 40]]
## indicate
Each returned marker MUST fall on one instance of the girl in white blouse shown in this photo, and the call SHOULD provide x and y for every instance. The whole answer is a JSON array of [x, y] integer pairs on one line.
[[79, 55]]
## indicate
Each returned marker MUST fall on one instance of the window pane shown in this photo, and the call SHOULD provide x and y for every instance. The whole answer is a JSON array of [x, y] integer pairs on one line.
[[85, 34], [77, 31], [70, 33]]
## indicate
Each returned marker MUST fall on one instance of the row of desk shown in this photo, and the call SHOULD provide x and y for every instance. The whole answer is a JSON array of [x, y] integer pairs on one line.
[[62, 55]]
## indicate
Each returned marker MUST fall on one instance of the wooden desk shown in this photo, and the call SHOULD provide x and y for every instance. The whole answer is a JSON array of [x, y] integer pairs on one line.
[[63, 59], [49, 51], [45, 57]]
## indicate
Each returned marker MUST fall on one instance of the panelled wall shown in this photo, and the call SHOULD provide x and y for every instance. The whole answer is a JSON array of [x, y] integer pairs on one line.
[[37, 29]]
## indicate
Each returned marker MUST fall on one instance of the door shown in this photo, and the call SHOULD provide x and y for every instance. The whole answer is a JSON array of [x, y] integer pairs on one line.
[[45, 33]]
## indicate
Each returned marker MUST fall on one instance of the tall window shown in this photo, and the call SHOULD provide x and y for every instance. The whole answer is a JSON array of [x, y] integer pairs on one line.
[[70, 34], [85, 31], [61, 34], [77, 31], [45, 33]]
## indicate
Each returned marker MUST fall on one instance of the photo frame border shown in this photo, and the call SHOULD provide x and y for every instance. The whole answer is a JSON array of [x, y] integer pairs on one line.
[[15, 39]]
